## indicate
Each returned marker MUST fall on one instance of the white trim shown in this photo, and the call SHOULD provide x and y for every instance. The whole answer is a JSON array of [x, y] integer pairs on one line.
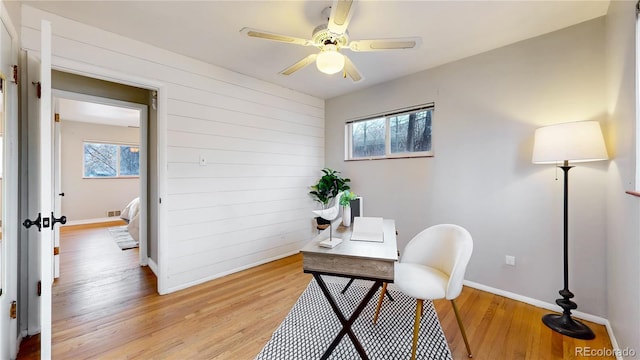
[[637, 99], [229, 272], [612, 337], [91, 221], [33, 330], [548, 306], [21, 335], [161, 145], [44, 181], [143, 185], [535, 302], [152, 265]]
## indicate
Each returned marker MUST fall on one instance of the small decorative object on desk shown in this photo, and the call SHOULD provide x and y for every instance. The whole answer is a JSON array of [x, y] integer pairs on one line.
[[345, 202], [330, 214], [329, 187]]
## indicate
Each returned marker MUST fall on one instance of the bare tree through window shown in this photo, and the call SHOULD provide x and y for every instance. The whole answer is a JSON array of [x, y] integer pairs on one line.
[[407, 133], [411, 132], [110, 160], [369, 138]]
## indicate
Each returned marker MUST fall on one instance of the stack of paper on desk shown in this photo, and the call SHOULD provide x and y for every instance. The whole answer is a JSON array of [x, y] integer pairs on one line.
[[367, 229]]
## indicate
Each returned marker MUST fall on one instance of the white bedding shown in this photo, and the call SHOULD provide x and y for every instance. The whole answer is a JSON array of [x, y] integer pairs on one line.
[[131, 214]]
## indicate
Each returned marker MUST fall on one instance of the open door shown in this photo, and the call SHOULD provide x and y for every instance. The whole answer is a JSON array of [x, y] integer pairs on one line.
[[8, 191], [42, 218]]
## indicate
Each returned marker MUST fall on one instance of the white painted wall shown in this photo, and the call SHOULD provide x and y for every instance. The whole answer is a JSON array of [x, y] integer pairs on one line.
[[86, 199], [623, 211], [264, 146], [487, 108]]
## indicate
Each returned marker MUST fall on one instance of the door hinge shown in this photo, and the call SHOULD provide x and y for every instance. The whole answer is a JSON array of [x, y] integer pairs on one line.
[[56, 250], [13, 311], [56, 118], [39, 288], [15, 73]]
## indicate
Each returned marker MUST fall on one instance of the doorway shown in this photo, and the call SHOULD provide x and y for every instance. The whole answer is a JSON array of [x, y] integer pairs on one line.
[[100, 166], [78, 88], [89, 89]]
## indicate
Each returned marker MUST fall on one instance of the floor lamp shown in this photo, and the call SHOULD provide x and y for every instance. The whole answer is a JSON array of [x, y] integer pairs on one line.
[[566, 143]]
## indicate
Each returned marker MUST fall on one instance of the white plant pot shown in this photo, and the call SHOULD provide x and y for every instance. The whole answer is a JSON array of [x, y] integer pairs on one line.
[[346, 216]]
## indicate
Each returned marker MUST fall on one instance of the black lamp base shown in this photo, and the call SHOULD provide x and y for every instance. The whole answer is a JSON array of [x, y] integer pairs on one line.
[[566, 325]]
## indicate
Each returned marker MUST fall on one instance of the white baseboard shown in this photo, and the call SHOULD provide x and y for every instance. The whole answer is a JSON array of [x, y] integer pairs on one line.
[[612, 337], [545, 305], [535, 302], [153, 266], [21, 335], [33, 331], [229, 272], [91, 221]]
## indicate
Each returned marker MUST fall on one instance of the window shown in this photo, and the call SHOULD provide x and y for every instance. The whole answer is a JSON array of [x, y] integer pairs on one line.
[[400, 134], [103, 160]]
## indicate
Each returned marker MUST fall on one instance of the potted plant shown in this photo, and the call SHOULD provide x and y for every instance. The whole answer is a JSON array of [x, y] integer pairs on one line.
[[327, 188], [345, 202]]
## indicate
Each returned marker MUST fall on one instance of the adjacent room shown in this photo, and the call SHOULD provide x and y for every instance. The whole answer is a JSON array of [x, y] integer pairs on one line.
[[326, 179], [100, 147]]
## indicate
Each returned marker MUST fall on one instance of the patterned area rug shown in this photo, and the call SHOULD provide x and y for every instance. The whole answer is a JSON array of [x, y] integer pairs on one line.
[[311, 326], [121, 236]]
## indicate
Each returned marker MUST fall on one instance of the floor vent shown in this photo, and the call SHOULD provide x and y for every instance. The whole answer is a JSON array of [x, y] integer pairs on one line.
[[113, 213]]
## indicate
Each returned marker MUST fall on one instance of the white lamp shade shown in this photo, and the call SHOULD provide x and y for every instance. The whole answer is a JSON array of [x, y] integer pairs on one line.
[[330, 61], [579, 141]]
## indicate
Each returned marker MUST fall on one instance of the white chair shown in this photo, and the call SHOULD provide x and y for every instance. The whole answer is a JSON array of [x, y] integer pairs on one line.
[[432, 267]]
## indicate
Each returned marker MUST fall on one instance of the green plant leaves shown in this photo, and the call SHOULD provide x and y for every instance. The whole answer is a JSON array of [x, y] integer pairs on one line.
[[329, 186]]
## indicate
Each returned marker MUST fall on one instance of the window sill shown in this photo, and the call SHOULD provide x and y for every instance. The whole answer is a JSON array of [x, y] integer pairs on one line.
[[110, 177], [390, 157]]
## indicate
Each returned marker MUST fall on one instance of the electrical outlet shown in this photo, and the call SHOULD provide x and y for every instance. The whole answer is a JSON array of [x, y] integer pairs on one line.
[[510, 260], [203, 160]]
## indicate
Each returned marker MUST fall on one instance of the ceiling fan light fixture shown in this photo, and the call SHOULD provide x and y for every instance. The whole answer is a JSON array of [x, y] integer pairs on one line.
[[330, 61]]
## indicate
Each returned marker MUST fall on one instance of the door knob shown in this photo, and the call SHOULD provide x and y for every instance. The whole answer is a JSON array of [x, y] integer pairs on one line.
[[37, 222], [62, 220]]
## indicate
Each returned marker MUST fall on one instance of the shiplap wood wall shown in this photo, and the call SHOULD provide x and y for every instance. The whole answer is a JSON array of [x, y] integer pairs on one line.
[[264, 146]]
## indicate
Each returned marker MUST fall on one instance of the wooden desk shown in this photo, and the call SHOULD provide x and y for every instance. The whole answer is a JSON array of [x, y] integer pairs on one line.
[[354, 259]]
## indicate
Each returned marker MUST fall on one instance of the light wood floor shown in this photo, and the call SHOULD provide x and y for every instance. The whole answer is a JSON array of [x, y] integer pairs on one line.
[[105, 306]]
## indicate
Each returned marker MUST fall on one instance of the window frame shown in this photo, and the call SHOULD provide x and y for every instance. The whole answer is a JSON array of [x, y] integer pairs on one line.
[[348, 134], [118, 152]]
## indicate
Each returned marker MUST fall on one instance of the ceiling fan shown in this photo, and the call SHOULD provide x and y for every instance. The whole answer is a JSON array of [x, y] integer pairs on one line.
[[332, 37]]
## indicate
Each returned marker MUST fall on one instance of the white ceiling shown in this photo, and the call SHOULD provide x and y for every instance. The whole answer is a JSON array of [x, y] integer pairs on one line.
[[90, 112], [209, 31]]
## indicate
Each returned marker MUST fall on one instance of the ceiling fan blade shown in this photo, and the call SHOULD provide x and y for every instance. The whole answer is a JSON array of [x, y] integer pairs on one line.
[[299, 65], [341, 13], [275, 37], [385, 44], [351, 70]]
